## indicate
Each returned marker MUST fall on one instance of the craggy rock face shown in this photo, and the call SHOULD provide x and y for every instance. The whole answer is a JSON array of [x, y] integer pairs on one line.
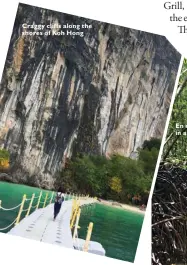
[[103, 93]]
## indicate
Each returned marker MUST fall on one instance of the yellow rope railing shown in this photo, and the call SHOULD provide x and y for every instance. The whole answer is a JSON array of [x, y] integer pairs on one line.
[[22, 204], [30, 205], [75, 216], [20, 210], [76, 224], [39, 200], [76, 211], [46, 196], [88, 237], [48, 200]]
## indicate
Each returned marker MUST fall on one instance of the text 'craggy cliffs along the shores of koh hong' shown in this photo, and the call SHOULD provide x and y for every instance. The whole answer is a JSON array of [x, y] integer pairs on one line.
[[105, 93]]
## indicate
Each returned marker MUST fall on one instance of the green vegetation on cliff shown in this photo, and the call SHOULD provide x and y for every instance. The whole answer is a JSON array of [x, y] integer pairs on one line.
[[4, 160], [118, 178]]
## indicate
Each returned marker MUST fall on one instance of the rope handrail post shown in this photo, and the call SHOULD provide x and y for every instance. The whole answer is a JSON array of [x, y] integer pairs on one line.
[[30, 205], [20, 209], [76, 224], [74, 213], [74, 204], [39, 200], [45, 200], [73, 208], [88, 237], [74, 216], [51, 198]]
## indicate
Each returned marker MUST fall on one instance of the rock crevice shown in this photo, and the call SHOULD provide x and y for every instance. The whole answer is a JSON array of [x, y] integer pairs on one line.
[[104, 93]]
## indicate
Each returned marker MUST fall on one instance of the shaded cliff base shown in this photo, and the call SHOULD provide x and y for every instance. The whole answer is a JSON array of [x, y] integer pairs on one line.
[[7, 178], [25, 180]]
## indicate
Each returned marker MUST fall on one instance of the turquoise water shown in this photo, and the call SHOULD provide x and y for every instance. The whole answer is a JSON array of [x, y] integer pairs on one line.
[[11, 195], [116, 229]]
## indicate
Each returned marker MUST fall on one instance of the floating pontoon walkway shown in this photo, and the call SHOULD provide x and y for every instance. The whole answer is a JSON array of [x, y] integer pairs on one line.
[[41, 227]]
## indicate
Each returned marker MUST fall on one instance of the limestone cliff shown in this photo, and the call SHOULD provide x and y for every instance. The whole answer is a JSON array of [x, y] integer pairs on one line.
[[102, 93]]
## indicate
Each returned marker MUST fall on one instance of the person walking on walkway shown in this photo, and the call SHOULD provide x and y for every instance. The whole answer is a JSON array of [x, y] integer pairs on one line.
[[58, 202]]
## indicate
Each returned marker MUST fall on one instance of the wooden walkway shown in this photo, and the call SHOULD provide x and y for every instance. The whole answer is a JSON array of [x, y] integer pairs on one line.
[[41, 227]]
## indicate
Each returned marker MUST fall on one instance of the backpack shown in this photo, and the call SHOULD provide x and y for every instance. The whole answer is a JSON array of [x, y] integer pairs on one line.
[[59, 198]]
